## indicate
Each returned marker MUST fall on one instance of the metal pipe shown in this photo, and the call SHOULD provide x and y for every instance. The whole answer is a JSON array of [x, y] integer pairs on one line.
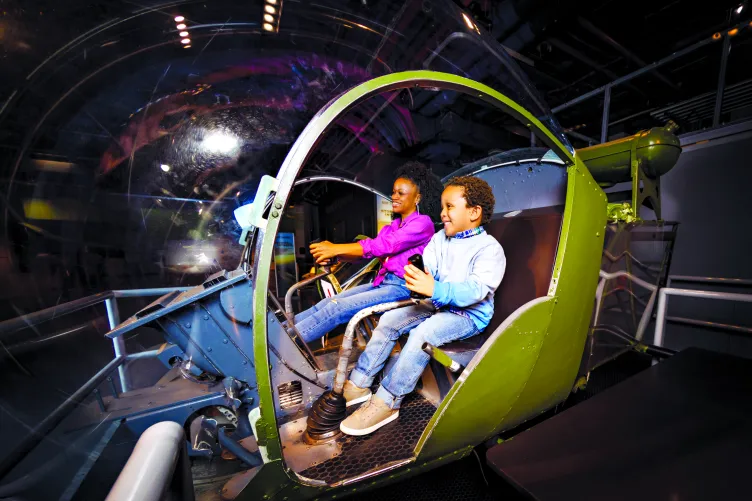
[[712, 325], [37, 434], [238, 450], [347, 341], [621, 273], [296, 286], [711, 280], [151, 464], [142, 354], [582, 137], [313, 179], [158, 291], [622, 50], [660, 319], [721, 80], [118, 343], [646, 316], [38, 317], [635, 74], [606, 107]]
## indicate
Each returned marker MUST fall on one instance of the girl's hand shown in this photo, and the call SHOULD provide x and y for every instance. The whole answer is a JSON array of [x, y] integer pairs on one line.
[[323, 251], [419, 281]]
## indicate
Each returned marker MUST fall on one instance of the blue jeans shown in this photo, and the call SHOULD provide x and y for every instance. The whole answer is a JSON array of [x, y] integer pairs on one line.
[[425, 324], [330, 312]]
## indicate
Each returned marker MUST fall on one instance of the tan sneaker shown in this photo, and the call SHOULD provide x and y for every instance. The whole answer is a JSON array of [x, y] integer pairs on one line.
[[355, 394], [369, 418]]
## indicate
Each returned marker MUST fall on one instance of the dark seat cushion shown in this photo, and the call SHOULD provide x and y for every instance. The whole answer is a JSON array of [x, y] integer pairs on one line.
[[529, 243]]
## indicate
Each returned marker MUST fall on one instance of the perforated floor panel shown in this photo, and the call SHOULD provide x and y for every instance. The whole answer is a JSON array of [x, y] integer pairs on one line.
[[392, 442]]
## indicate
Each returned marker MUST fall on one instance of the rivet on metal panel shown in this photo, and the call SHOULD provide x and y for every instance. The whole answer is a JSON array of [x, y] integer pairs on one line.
[[275, 214], [278, 205], [188, 325], [224, 341], [206, 317], [208, 348]]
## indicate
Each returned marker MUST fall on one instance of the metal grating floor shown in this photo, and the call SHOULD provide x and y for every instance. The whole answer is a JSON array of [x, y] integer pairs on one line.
[[392, 442]]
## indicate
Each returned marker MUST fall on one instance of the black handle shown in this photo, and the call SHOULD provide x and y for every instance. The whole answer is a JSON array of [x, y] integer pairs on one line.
[[417, 261]]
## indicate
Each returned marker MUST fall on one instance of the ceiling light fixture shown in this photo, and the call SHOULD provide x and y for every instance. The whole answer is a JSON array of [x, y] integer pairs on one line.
[[268, 18], [273, 2], [183, 33], [179, 19], [181, 26], [733, 32], [270, 9], [268, 27], [165, 167], [185, 41], [187, 46], [740, 9]]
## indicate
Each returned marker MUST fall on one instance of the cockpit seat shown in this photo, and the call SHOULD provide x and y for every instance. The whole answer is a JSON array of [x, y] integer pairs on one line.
[[529, 241]]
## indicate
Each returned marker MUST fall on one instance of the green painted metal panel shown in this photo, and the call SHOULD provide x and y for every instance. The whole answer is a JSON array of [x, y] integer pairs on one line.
[[531, 361], [268, 435]]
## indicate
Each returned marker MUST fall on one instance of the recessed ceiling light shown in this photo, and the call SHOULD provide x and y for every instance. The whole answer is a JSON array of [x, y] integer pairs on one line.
[[181, 26], [273, 2], [268, 18], [179, 19], [183, 33], [165, 167], [185, 41], [187, 46], [270, 9], [268, 27]]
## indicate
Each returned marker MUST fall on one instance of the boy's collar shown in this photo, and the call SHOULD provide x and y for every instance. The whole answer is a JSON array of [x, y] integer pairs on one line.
[[470, 233]]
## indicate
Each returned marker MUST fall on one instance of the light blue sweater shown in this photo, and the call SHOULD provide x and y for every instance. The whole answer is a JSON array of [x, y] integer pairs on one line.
[[467, 272]]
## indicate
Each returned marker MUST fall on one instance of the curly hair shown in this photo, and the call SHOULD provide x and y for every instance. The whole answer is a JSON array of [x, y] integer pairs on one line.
[[429, 186], [477, 193]]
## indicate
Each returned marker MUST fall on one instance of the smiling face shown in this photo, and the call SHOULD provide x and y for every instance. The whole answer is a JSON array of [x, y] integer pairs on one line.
[[405, 197], [455, 214]]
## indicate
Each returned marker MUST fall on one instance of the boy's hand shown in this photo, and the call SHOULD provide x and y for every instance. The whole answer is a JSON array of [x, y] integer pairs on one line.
[[419, 281], [323, 251]]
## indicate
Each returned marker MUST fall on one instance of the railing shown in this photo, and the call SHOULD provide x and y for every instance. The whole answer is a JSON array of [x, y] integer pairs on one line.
[[662, 294], [606, 89], [661, 316], [109, 298]]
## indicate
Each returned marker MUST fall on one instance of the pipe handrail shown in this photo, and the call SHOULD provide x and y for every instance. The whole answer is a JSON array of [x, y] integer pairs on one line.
[[42, 429], [32, 319], [709, 280], [41, 316], [660, 317]]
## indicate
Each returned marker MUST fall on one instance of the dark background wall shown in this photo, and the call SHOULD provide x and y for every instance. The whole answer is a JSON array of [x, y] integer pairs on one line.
[[708, 193]]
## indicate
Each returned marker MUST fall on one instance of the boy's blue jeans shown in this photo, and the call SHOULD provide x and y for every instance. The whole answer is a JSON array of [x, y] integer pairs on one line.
[[424, 324], [330, 312]]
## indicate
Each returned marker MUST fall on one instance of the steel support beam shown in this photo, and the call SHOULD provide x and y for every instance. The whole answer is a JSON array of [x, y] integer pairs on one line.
[[606, 107], [721, 80]]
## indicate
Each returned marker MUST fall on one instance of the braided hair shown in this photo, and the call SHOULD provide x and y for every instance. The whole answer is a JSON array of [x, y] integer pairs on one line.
[[429, 186]]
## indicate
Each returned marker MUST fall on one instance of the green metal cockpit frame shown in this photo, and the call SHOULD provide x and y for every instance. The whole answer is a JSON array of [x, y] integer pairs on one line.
[[536, 351]]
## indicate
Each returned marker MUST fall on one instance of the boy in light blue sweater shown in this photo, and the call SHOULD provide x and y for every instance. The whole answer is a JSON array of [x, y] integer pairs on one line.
[[464, 266]]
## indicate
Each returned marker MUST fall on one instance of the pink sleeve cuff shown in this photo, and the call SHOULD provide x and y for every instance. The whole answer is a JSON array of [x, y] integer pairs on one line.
[[366, 245]]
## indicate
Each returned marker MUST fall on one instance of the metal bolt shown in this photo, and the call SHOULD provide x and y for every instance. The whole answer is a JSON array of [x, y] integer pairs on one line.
[[188, 325], [206, 317], [224, 341], [208, 348], [245, 362], [275, 214], [278, 205]]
